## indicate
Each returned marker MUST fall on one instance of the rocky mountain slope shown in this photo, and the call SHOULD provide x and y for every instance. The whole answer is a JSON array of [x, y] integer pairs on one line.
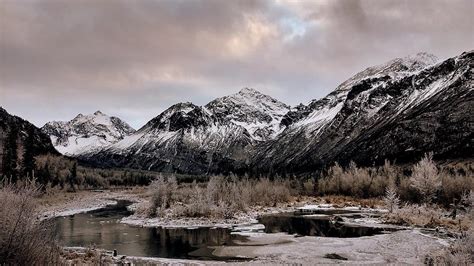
[[199, 139], [86, 133], [41, 142], [398, 110]]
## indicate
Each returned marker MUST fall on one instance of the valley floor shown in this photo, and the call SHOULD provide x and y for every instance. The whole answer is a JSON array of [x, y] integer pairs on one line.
[[401, 247]]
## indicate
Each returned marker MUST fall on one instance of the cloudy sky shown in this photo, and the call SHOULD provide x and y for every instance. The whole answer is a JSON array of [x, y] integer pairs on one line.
[[133, 59]]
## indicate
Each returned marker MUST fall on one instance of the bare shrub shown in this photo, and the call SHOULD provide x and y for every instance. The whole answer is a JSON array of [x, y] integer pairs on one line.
[[309, 187], [220, 197], [425, 178], [417, 215], [162, 194], [24, 240], [391, 198], [461, 252], [467, 201], [407, 192], [428, 216], [453, 187], [357, 182]]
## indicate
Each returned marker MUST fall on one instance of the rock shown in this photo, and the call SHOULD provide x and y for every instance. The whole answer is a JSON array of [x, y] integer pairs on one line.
[[334, 256]]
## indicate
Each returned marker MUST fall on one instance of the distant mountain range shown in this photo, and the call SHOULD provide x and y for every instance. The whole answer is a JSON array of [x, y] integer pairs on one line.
[[397, 111]]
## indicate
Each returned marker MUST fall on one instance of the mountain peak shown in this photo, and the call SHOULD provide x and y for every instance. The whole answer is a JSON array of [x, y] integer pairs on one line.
[[417, 61], [396, 69], [249, 91], [86, 132], [426, 57]]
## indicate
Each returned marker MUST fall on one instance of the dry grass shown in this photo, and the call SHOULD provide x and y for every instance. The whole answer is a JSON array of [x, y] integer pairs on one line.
[[88, 256], [348, 201], [427, 216]]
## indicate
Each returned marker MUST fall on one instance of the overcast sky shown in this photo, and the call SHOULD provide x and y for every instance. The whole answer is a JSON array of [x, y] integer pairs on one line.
[[133, 59]]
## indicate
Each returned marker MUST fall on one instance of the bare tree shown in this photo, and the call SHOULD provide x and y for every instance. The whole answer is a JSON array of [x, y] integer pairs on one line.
[[391, 198], [425, 178]]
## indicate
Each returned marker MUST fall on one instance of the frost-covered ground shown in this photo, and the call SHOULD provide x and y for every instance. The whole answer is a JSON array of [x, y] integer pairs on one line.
[[84, 202], [401, 247], [249, 217]]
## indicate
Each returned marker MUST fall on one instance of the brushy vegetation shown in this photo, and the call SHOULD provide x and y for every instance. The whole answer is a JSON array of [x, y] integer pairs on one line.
[[357, 182], [425, 182], [221, 197], [24, 239], [461, 252]]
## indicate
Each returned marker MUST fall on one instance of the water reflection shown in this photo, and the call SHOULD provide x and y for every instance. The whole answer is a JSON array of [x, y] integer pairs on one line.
[[103, 229], [316, 225]]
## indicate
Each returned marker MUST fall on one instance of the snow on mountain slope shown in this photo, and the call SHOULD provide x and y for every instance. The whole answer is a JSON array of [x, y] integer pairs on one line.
[[312, 118], [396, 110], [248, 110], [258, 113], [187, 137], [86, 133], [343, 125]]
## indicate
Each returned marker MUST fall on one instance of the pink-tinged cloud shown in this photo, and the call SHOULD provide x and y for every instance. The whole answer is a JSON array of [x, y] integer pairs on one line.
[[135, 58]]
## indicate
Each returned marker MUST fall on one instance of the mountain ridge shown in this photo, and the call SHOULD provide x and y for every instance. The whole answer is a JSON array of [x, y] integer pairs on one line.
[[250, 131]]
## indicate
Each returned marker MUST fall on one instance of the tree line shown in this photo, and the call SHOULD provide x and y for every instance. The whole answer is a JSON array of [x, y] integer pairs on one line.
[[15, 167]]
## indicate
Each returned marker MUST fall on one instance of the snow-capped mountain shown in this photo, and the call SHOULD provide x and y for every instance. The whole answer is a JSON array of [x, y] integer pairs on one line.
[[86, 133], [398, 111], [320, 112], [190, 138], [258, 113]]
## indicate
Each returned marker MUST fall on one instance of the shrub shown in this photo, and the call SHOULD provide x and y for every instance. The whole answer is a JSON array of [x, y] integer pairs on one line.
[[453, 186], [391, 198], [418, 215], [308, 187], [162, 194], [357, 182], [24, 240], [220, 197], [461, 252], [425, 178]]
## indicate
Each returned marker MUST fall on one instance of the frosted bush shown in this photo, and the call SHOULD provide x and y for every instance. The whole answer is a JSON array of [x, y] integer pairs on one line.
[[221, 197], [24, 240], [391, 198], [425, 178]]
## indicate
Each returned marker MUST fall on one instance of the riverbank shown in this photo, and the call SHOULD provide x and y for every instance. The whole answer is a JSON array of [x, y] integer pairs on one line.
[[65, 203], [409, 246]]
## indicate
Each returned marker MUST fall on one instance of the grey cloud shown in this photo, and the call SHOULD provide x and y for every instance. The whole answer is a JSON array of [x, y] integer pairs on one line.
[[135, 58]]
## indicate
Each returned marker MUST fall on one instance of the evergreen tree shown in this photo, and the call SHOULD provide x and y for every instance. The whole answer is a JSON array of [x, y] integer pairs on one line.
[[45, 175], [28, 154], [10, 155], [73, 176]]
